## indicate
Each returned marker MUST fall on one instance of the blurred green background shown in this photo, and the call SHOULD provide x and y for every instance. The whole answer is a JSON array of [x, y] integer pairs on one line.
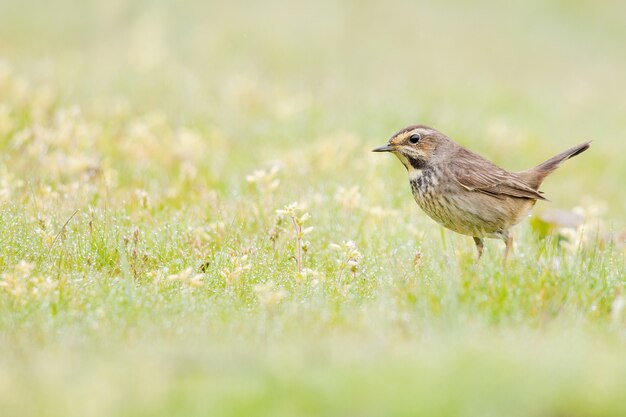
[[528, 77], [151, 118]]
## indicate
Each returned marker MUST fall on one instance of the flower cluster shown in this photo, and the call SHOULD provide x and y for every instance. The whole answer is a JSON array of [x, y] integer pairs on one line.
[[268, 295], [239, 264], [292, 211], [349, 257], [23, 286], [264, 180]]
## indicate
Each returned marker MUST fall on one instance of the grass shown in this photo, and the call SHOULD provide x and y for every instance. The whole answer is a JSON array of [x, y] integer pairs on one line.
[[150, 158]]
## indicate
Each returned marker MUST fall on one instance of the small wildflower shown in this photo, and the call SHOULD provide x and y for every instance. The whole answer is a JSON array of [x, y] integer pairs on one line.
[[239, 265], [263, 180], [181, 276], [190, 149], [24, 268], [292, 211], [20, 283], [417, 260], [143, 198], [196, 281], [378, 213], [268, 295], [187, 277], [349, 257], [275, 230], [312, 276], [47, 236], [348, 198]]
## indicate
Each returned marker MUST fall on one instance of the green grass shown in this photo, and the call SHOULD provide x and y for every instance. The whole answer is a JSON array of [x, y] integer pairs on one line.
[[145, 149]]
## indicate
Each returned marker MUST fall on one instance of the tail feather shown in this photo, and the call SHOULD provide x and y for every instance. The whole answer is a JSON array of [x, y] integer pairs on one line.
[[535, 176]]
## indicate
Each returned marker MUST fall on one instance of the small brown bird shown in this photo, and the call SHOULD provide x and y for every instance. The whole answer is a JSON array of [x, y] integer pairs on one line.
[[465, 192]]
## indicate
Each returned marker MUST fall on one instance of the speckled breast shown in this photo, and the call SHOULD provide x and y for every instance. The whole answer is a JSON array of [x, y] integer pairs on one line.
[[452, 208]]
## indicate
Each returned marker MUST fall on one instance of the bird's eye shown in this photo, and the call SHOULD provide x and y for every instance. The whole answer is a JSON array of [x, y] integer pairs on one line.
[[415, 137]]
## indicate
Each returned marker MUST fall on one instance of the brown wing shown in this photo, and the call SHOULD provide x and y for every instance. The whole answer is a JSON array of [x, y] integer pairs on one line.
[[474, 173]]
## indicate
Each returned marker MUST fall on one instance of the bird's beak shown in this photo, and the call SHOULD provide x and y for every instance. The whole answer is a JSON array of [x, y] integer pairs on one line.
[[384, 148]]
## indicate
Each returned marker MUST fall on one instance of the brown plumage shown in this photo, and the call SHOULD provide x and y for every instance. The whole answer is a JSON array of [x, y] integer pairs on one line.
[[465, 192]]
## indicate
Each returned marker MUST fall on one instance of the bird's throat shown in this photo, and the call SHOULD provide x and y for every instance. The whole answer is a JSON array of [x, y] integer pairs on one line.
[[414, 174], [413, 165]]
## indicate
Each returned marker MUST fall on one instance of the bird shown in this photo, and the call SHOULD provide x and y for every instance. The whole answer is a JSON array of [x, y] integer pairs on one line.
[[465, 192]]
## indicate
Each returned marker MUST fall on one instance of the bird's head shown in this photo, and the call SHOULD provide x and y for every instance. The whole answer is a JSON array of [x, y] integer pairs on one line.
[[417, 146]]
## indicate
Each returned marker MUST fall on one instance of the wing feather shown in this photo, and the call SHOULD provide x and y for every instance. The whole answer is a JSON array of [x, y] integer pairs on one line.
[[474, 173]]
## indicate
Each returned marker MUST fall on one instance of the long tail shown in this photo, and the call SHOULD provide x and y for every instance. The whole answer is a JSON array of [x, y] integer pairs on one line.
[[535, 176]]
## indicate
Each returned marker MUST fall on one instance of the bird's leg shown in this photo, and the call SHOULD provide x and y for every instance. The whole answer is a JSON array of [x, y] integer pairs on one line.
[[508, 241], [479, 246]]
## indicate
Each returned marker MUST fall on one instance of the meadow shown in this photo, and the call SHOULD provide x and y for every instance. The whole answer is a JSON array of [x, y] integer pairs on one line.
[[192, 222]]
